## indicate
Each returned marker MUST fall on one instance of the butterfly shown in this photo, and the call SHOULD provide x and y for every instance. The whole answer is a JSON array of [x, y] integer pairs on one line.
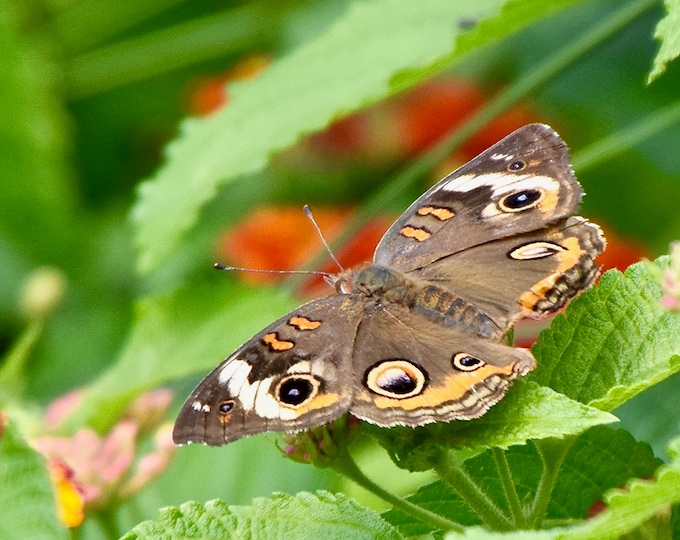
[[416, 336]]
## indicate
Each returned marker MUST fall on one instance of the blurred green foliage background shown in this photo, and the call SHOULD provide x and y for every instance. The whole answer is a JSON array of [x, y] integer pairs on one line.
[[91, 91]]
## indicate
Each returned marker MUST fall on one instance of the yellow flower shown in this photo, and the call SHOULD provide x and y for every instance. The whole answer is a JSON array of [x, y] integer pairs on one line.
[[70, 501]]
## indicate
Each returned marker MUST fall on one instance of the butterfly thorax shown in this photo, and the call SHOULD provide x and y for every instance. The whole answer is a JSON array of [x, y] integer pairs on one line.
[[378, 282], [389, 286]]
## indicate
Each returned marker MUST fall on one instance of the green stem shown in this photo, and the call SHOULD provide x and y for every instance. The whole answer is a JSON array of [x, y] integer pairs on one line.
[[76, 533], [454, 474], [345, 465], [509, 489], [502, 102], [552, 452], [13, 370], [82, 25], [108, 523], [627, 137], [551, 67], [252, 26]]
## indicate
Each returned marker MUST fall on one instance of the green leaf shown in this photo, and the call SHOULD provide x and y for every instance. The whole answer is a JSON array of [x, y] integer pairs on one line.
[[657, 428], [631, 507], [528, 411], [307, 515], [668, 33], [514, 15], [437, 497], [356, 62], [189, 331], [27, 506], [256, 468], [598, 460], [614, 341], [477, 533], [628, 509]]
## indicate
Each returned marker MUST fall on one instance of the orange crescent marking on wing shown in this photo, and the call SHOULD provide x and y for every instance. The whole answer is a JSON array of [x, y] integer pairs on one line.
[[549, 201], [275, 344], [320, 401], [303, 323], [441, 213], [415, 233]]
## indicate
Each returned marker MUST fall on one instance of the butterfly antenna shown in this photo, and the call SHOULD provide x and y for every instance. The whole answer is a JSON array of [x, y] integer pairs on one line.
[[220, 266], [309, 214]]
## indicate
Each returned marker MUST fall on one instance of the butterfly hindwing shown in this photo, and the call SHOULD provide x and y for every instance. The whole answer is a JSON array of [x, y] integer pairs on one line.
[[411, 371], [533, 273]]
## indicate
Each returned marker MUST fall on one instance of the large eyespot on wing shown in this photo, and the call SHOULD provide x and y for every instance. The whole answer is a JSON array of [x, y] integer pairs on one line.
[[521, 184], [291, 376], [411, 371]]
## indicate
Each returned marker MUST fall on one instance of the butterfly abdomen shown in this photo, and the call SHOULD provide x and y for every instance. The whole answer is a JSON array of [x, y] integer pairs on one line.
[[447, 308], [389, 286]]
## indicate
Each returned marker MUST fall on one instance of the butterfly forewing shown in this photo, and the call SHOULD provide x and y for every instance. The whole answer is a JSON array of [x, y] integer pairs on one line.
[[291, 375], [518, 185]]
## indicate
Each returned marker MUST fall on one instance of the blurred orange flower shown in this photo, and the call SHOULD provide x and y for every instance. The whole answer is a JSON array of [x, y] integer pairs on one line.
[[206, 95], [278, 238], [282, 238], [434, 109], [621, 252], [410, 124]]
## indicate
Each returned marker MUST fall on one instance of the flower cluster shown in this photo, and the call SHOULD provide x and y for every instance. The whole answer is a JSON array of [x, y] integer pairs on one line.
[[91, 471], [321, 445], [670, 281]]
